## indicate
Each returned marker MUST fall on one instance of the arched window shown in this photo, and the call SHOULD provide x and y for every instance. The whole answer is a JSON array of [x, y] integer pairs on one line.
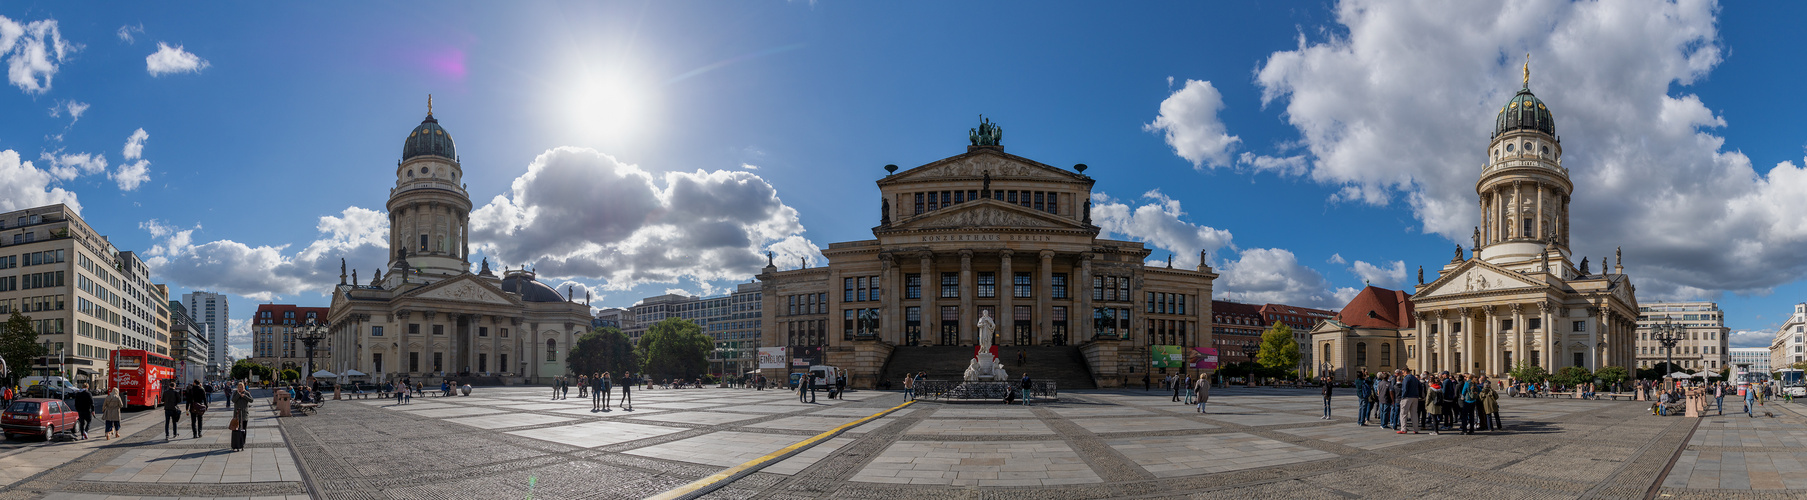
[[1361, 354], [1386, 354], [551, 350], [1326, 358]]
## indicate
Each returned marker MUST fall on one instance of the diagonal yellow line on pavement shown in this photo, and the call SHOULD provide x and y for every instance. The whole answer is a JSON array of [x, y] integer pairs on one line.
[[715, 481]]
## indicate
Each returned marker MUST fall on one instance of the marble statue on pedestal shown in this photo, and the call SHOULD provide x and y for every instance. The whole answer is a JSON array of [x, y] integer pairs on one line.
[[984, 365]]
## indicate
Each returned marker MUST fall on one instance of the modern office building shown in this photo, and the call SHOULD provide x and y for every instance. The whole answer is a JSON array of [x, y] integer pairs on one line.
[[731, 319], [209, 311], [188, 344], [1704, 342], [85, 298], [1757, 358]]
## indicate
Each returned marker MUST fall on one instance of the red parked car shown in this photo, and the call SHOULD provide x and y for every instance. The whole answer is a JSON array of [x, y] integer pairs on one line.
[[38, 417]]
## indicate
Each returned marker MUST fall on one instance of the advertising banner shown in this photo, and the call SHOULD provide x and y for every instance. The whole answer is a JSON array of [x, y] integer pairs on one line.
[[771, 357], [1166, 356], [1204, 358]]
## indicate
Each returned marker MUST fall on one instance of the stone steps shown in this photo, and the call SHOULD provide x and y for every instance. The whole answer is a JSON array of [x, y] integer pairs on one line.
[[1063, 365]]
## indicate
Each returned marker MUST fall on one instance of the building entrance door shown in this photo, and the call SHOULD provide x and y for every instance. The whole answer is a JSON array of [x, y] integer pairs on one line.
[[1021, 325], [912, 333]]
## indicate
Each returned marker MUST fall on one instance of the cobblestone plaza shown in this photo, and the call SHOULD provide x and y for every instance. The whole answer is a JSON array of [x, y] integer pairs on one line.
[[1254, 443]]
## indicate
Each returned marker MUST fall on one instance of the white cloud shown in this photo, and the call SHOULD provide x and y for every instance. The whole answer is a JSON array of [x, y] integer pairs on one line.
[[1188, 119], [238, 351], [358, 235], [132, 174], [1273, 275], [125, 32], [1398, 102], [1287, 165], [69, 166], [134, 145], [749, 166], [33, 52], [1158, 223], [580, 213], [74, 108], [1392, 276], [1337, 258], [1751, 338], [167, 60], [23, 185]]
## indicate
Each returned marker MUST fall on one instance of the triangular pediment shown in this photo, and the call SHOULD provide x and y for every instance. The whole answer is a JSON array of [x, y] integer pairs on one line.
[[465, 288], [977, 163], [1475, 276], [987, 213]]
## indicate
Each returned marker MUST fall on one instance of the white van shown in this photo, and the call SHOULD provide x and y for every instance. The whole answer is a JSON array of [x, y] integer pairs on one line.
[[53, 382], [824, 375]]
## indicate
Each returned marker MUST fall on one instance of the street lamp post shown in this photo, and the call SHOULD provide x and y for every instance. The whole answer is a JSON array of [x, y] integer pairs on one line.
[[311, 335], [1668, 333]]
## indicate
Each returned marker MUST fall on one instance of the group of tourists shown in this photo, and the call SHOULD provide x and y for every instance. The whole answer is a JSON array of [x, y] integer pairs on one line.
[[601, 385], [1405, 403], [1187, 389]]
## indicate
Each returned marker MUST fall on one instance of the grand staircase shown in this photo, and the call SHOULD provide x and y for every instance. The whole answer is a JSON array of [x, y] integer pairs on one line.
[[1064, 365]]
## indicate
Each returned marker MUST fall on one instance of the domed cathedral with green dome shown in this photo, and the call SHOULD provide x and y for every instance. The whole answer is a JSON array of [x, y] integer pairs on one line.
[[1518, 296], [422, 313]]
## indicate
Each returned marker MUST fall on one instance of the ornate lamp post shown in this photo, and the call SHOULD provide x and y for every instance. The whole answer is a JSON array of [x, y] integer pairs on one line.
[[311, 335], [1668, 333]]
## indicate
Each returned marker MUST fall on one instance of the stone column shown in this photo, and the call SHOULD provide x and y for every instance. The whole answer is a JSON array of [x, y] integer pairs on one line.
[[968, 316], [1540, 228], [1594, 334], [1551, 344], [1494, 336], [1444, 339], [1469, 350], [1498, 205], [930, 318], [834, 303], [1044, 309], [1417, 363], [1520, 334], [890, 319], [1080, 321], [1006, 299]]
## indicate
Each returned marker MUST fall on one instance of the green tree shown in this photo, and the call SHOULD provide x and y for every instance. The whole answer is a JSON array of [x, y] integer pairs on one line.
[[291, 374], [675, 348], [245, 368], [1573, 375], [603, 349], [1612, 375], [1278, 350], [1526, 372], [18, 345]]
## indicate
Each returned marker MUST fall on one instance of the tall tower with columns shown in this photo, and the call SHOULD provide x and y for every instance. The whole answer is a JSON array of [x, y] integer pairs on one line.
[[1524, 189], [429, 210]]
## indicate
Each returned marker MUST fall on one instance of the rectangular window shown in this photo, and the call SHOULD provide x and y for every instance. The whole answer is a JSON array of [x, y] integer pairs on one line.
[[861, 290], [847, 320], [413, 362], [792, 300], [912, 286], [1010, 196], [959, 197], [1533, 324], [504, 333], [439, 361], [439, 329], [482, 362], [950, 285], [1097, 288], [947, 199], [1039, 205], [413, 328], [1054, 203], [376, 331], [1058, 289], [482, 331], [847, 289], [822, 303], [1580, 326], [1123, 288], [501, 362], [1024, 286], [972, 194], [988, 285], [376, 361], [918, 203], [1151, 303], [872, 288], [934, 201]]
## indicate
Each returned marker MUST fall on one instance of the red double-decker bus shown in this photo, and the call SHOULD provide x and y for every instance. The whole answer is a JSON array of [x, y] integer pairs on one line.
[[139, 375]]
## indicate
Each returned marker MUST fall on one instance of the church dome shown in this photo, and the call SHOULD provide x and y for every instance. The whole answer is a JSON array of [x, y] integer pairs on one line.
[[1526, 112], [531, 290], [429, 139]]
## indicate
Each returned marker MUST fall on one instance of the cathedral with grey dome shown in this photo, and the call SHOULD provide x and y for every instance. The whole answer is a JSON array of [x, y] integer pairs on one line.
[[424, 314]]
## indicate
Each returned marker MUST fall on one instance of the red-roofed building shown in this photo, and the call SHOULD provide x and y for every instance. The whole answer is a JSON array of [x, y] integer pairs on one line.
[[1236, 331], [276, 336], [1368, 334]]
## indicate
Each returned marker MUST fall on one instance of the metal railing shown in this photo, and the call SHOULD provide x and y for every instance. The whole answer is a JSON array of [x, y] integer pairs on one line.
[[958, 389]]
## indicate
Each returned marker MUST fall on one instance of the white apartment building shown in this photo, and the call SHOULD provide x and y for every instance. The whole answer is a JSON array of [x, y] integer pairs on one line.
[[1705, 344], [1785, 348], [1756, 357], [85, 298], [211, 315], [732, 320]]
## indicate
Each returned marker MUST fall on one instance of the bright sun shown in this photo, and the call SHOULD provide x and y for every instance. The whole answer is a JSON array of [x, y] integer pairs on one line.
[[607, 107]]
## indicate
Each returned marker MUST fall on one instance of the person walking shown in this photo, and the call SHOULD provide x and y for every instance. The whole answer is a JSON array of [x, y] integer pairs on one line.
[[241, 416], [1410, 393], [109, 412], [840, 384], [1203, 387], [595, 395], [1719, 397], [172, 411], [84, 408], [1173, 382], [603, 385], [1364, 398], [1327, 387], [1750, 402], [196, 397], [1433, 403], [555, 382], [1145, 382], [583, 385], [627, 391], [909, 384], [1028, 388]]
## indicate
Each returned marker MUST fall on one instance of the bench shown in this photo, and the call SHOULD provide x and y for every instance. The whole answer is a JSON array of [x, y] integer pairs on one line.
[[1615, 396], [1569, 395]]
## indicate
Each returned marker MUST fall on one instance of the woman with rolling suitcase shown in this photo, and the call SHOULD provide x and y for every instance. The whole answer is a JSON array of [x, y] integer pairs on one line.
[[241, 416]]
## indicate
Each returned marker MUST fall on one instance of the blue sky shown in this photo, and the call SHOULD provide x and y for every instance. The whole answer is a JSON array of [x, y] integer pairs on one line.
[[635, 148]]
